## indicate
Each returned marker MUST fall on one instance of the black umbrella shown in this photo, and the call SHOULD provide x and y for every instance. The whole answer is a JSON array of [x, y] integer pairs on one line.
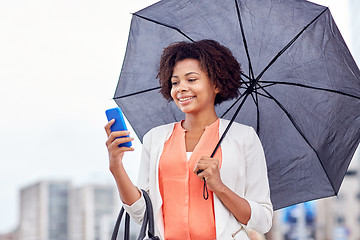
[[301, 88]]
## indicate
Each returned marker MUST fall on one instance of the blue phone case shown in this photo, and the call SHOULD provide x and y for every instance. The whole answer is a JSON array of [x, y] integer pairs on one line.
[[119, 124]]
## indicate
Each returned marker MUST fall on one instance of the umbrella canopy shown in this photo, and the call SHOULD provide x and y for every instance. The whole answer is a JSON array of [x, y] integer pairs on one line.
[[301, 86]]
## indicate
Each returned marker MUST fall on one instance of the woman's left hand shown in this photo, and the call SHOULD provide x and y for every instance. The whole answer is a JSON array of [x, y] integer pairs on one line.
[[237, 205], [211, 172]]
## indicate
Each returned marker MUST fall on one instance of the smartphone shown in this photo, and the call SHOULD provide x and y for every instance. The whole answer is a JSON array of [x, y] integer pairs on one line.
[[119, 124]]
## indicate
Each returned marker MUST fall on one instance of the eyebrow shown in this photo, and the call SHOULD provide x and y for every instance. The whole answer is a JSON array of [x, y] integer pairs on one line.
[[187, 74]]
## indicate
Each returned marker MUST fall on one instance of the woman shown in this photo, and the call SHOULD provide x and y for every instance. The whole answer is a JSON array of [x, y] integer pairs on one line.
[[197, 76]]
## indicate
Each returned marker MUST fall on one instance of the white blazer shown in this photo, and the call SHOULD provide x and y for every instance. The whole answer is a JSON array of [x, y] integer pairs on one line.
[[243, 170]]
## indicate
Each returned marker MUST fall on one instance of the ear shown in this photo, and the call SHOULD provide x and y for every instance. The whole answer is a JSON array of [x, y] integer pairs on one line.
[[217, 89]]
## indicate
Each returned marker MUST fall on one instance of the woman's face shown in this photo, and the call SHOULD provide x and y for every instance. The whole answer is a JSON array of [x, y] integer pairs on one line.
[[192, 89]]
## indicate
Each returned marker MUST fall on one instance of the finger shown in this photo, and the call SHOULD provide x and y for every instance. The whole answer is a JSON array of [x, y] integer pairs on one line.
[[204, 165], [118, 138], [108, 125], [202, 175], [199, 168], [126, 149], [206, 171], [117, 134], [208, 162], [114, 147], [121, 140]]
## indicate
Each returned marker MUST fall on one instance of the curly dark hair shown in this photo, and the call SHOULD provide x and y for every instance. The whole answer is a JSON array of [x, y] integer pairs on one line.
[[215, 59]]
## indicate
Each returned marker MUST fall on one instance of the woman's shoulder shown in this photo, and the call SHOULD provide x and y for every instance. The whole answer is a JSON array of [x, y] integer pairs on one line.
[[239, 133], [236, 128], [159, 131]]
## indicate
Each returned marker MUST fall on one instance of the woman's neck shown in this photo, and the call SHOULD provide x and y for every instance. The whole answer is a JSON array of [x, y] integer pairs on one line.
[[198, 122]]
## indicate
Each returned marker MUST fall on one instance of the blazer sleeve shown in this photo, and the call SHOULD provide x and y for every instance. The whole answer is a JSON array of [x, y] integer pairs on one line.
[[257, 191]]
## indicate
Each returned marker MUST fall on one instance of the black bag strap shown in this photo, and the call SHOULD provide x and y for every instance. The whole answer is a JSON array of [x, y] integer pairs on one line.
[[117, 225], [148, 219], [148, 222]]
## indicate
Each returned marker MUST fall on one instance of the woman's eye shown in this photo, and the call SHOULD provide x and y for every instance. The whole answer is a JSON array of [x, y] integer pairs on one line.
[[192, 79], [174, 83]]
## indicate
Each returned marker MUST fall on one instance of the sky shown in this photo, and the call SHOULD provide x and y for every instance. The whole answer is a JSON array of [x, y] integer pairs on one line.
[[60, 61]]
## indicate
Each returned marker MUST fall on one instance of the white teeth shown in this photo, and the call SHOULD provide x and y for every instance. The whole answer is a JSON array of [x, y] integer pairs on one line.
[[185, 99]]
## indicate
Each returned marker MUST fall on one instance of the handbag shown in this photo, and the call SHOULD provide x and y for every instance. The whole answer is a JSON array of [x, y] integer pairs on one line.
[[148, 222]]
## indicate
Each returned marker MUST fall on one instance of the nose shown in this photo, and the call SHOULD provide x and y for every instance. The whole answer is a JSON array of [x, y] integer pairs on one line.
[[182, 87]]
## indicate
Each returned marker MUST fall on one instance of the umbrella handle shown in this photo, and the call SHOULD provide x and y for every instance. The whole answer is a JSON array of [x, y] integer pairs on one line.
[[205, 189]]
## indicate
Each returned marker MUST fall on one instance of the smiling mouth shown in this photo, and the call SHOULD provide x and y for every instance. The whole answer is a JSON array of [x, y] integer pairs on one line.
[[185, 99]]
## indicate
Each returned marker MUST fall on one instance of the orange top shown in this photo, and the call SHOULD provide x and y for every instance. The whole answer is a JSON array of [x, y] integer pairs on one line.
[[186, 214]]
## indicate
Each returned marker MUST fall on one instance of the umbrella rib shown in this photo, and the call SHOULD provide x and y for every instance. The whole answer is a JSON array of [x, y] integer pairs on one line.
[[257, 111], [256, 101], [237, 100], [243, 74], [288, 45], [136, 93], [244, 39], [268, 85], [245, 95], [271, 83], [165, 25], [300, 132], [257, 93], [248, 91], [263, 95]]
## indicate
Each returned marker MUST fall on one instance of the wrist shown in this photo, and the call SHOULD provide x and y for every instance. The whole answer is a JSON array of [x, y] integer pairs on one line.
[[116, 168], [220, 189]]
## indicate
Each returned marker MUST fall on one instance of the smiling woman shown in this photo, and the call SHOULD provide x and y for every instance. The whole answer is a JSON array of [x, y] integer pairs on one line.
[[175, 159], [194, 94], [191, 89], [217, 62]]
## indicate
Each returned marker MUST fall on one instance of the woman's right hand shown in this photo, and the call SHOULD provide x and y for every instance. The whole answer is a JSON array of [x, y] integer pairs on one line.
[[116, 153]]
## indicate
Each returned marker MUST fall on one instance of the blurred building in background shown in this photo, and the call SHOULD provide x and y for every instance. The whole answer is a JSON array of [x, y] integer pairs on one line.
[[55, 210], [44, 211], [93, 211], [338, 218]]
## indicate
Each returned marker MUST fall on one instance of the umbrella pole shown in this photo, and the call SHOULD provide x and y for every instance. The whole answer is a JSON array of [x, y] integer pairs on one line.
[[248, 91]]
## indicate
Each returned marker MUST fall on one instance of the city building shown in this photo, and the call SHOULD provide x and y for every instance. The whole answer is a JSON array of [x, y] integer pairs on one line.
[[93, 212], [55, 210], [44, 211], [339, 217]]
